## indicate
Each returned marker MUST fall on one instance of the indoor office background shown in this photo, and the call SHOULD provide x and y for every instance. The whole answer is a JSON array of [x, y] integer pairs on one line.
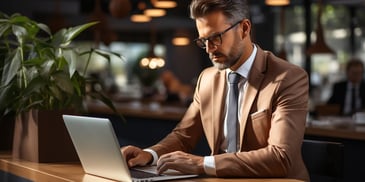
[[289, 31]]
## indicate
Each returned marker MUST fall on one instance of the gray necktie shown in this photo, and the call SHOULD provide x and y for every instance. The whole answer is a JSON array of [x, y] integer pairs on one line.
[[232, 111]]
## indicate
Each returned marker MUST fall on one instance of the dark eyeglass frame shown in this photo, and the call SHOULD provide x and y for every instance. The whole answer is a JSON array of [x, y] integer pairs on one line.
[[201, 42]]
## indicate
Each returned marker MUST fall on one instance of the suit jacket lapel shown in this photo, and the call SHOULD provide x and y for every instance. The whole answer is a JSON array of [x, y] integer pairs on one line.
[[254, 81], [219, 96]]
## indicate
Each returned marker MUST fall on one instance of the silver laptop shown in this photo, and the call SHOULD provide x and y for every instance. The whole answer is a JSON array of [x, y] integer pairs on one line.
[[98, 149]]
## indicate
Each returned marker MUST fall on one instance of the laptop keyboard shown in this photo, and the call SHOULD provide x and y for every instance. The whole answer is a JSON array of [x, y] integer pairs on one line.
[[142, 174]]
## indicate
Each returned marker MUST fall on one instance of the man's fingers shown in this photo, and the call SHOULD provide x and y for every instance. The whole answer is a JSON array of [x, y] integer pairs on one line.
[[171, 161], [180, 161], [137, 161]]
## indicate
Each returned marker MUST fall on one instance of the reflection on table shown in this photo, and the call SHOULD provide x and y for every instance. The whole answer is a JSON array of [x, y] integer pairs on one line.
[[61, 172]]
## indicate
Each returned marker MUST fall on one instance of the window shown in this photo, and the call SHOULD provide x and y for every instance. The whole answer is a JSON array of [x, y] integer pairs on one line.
[[336, 21]]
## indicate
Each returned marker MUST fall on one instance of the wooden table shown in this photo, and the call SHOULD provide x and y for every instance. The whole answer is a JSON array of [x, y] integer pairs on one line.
[[336, 127], [62, 172]]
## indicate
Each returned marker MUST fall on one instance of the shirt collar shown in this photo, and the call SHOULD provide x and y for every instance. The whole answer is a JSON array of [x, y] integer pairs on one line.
[[245, 68]]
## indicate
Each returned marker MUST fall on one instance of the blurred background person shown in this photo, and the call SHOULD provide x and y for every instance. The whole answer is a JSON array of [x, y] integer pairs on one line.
[[349, 94]]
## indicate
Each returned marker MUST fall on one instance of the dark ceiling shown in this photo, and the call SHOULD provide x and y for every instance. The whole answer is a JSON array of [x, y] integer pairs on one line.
[[74, 12]]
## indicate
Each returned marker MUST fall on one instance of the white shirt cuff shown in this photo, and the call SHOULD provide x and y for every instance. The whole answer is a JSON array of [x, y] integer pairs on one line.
[[154, 155], [209, 165]]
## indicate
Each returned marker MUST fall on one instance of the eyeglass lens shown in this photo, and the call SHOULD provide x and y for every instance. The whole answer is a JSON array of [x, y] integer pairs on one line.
[[215, 39]]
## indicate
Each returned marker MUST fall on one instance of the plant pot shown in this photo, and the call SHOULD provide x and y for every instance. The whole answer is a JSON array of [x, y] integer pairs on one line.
[[41, 136], [6, 132]]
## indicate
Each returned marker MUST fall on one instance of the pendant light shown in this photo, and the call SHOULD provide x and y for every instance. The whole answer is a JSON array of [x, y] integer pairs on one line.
[[277, 2], [152, 61], [164, 4], [152, 11], [320, 46], [138, 15], [181, 38]]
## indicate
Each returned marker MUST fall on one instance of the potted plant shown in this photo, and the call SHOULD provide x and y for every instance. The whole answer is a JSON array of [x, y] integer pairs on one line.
[[39, 76]]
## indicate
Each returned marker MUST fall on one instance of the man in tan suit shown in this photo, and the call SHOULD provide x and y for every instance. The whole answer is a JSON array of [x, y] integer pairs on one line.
[[272, 105]]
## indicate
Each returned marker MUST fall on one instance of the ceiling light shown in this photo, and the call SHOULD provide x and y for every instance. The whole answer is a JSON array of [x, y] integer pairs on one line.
[[152, 61], [140, 18], [180, 41], [164, 4], [155, 12], [277, 2]]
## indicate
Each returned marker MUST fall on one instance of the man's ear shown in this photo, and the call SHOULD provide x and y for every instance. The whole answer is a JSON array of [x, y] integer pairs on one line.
[[245, 27]]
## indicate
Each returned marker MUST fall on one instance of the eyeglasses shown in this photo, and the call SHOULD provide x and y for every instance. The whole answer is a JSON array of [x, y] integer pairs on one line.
[[215, 39]]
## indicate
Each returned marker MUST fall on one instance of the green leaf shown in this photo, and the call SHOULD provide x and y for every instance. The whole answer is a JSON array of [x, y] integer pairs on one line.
[[11, 69], [29, 72], [31, 27], [103, 53], [71, 57], [33, 104], [5, 96], [65, 36], [63, 81], [19, 19], [20, 32], [4, 28], [62, 64], [75, 31], [45, 28], [78, 83], [56, 92], [47, 68], [58, 38], [34, 86]]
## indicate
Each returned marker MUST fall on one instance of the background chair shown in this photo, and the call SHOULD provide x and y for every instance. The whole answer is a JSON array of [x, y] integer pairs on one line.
[[324, 160]]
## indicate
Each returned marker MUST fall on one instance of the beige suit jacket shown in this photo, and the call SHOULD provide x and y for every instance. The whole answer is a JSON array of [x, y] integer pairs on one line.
[[273, 119]]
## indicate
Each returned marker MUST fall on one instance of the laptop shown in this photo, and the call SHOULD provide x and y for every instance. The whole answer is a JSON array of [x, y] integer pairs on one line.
[[99, 151]]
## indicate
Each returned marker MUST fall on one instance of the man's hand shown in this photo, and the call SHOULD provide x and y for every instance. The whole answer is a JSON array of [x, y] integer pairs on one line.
[[181, 161], [136, 156]]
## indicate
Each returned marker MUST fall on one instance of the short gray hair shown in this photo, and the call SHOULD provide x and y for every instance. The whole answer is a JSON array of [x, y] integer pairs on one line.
[[234, 10]]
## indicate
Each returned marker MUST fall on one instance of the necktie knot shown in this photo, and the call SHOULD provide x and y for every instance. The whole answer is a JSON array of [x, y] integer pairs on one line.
[[234, 78]]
